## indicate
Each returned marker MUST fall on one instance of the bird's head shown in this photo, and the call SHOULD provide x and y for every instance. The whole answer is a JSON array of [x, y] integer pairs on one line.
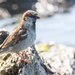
[[29, 18]]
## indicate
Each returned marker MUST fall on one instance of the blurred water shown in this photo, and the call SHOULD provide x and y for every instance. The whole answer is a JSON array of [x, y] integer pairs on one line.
[[59, 28]]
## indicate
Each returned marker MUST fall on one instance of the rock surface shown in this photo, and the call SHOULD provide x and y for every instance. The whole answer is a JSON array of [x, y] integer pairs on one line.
[[9, 64], [58, 58]]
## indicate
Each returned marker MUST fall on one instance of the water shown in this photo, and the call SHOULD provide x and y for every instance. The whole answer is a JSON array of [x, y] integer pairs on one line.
[[59, 28]]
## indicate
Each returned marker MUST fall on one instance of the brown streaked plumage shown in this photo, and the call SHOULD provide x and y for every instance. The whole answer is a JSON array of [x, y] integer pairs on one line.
[[15, 37]]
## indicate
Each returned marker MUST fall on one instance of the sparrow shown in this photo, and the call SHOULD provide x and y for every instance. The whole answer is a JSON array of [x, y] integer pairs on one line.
[[23, 35]]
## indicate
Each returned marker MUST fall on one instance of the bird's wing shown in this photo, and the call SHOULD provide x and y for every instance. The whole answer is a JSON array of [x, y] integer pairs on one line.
[[15, 37]]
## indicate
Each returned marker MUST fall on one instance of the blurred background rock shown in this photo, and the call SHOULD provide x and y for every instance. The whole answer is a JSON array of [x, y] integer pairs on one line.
[[49, 7], [12, 7], [43, 7]]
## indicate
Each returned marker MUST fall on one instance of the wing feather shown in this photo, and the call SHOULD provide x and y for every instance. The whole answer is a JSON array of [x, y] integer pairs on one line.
[[18, 34]]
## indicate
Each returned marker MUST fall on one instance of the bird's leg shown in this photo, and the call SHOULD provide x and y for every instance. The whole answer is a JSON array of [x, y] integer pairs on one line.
[[25, 53], [23, 59]]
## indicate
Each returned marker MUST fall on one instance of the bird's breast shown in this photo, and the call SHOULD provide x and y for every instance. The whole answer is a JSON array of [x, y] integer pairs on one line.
[[31, 36]]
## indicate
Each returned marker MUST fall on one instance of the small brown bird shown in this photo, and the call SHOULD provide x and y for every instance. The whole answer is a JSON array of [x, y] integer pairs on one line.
[[23, 35]]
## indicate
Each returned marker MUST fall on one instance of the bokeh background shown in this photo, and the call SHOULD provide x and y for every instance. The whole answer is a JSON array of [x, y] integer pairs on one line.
[[57, 21]]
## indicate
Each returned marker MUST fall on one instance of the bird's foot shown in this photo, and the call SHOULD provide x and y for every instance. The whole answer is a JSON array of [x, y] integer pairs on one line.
[[22, 58]]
